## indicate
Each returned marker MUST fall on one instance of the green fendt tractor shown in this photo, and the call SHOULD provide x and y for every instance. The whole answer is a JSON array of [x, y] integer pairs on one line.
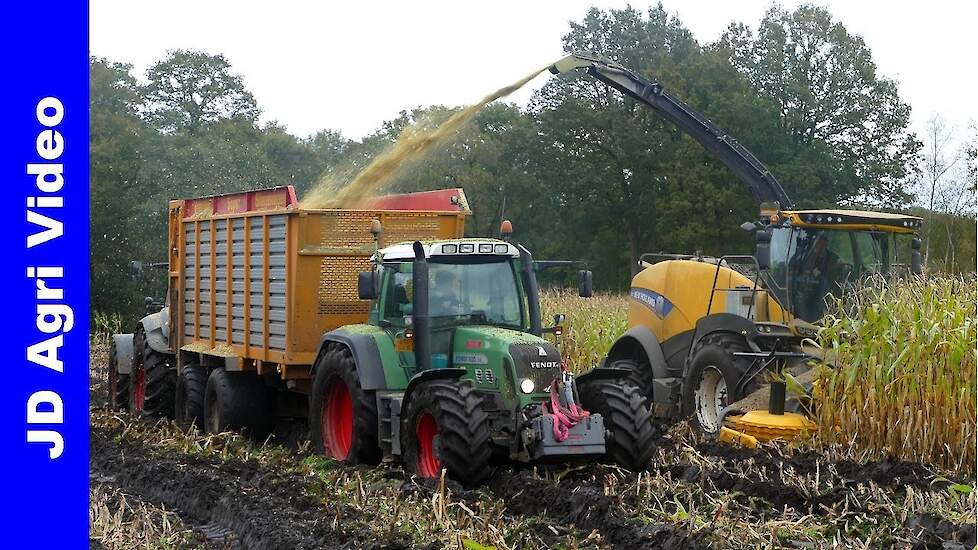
[[452, 370]]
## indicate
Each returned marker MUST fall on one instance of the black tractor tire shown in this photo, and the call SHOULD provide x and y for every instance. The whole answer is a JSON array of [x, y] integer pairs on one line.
[[237, 401], [713, 362], [342, 415], [640, 375], [158, 377], [189, 399], [460, 443], [625, 411], [118, 383]]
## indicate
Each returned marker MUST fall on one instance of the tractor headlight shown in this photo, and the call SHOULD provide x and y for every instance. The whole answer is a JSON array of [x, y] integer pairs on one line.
[[527, 385]]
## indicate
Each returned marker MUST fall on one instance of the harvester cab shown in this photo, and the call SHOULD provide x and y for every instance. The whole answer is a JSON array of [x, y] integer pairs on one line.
[[703, 332], [466, 372]]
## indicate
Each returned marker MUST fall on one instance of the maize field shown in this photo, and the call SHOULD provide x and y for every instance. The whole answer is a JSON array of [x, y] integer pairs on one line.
[[871, 480]]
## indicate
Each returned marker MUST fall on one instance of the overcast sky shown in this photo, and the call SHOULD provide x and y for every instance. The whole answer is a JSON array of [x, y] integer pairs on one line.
[[351, 65]]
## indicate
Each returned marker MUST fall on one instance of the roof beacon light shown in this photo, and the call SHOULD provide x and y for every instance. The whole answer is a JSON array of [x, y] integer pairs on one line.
[[506, 229]]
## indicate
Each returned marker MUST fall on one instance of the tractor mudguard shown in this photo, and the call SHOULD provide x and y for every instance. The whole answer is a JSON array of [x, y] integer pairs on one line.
[[366, 354], [601, 373], [157, 329], [724, 322], [123, 352], [639, 340], [432, 374]]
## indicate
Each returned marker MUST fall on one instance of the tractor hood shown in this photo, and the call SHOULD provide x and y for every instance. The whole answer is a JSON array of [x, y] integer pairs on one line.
[[516, 357]]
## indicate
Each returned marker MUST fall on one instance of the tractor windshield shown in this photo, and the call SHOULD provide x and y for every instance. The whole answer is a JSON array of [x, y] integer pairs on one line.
[[474, 292], [807, 265]]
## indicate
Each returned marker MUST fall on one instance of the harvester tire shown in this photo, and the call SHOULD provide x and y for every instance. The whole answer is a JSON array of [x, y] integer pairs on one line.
[[189, 399], [342, 415], [445, 427], [118, 383], [152, 381], [625, 411], [712, 377], [237, 401]]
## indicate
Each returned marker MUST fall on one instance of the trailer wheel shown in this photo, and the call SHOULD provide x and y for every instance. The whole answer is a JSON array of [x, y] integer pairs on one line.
[[152, 381], [189, 399], [445, 427], [237, 401], [711, 380], [118, 383], [342, 415], [625, 411]]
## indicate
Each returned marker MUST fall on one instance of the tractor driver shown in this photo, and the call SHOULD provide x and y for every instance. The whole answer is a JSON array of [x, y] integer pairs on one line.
[[444, 298]]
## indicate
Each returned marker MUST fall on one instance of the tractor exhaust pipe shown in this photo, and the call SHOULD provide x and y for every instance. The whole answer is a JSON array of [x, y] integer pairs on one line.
[[419, 315], [532, 291]]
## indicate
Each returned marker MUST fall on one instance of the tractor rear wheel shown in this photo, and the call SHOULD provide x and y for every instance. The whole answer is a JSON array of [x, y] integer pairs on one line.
[[237, 401], [342, 415], [151, 382], [118, 383], [711, 380], [625, 411], [445, 427], [189, 399]]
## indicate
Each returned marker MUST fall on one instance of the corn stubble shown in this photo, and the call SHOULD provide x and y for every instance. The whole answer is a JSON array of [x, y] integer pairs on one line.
[[905, 378]]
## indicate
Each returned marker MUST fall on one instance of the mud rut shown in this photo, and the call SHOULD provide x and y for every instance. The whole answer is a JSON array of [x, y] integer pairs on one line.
[[245, 504]]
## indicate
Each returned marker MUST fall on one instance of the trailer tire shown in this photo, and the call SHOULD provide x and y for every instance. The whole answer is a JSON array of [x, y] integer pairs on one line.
[[626, 414], [342, 415], [189, 399], [237, 401], [118, 383], [445, 427], [152, 381], [710, 381]]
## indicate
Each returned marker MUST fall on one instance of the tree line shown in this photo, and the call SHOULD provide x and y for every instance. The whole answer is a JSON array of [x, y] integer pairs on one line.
[[583, 172]]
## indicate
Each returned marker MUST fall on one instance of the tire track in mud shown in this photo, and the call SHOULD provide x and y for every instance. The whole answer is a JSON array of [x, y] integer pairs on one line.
[[264, 508], [582, 504]]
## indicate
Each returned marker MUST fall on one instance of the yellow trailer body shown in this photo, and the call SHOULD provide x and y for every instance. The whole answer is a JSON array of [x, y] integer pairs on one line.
[[256, 280]]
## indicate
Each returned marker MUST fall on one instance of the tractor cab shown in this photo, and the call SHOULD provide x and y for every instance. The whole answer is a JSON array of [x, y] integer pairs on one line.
[[810, 254]]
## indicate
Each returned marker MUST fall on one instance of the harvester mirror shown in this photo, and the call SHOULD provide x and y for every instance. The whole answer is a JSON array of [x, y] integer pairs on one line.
[[763, 253], [585, 287], [916, 261], [135, 268], [749, 227], [367, 285]]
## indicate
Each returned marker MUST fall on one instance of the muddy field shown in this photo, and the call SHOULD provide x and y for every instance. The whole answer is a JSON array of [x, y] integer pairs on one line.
[[156, 485]]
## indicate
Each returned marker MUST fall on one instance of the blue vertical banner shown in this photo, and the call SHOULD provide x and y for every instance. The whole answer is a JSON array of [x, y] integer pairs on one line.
[[45, 178]]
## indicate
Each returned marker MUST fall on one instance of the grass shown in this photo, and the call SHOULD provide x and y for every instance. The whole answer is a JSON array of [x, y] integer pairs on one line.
[[905, 378], [120, 521]]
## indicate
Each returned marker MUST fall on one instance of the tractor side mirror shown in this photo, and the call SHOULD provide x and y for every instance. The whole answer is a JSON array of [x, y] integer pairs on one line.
[[367, 287], [763, 253], [916, 261], [585, 286]]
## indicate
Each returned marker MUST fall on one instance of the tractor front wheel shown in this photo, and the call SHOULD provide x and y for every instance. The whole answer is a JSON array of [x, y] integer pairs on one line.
[[342, 415], [445, 427], [625, 411], [118, 383], [151, 382]]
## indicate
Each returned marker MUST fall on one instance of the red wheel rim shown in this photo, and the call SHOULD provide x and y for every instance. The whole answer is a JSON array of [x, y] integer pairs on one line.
[[426, 430], [337, 421], [139, 392]]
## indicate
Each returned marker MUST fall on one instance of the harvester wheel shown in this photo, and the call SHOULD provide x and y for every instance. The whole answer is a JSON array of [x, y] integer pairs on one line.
[[237, 401], [445, 427], [152, 381], [711, 380], [626, 415], [189, 400], [118, 383], [342, 415]]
